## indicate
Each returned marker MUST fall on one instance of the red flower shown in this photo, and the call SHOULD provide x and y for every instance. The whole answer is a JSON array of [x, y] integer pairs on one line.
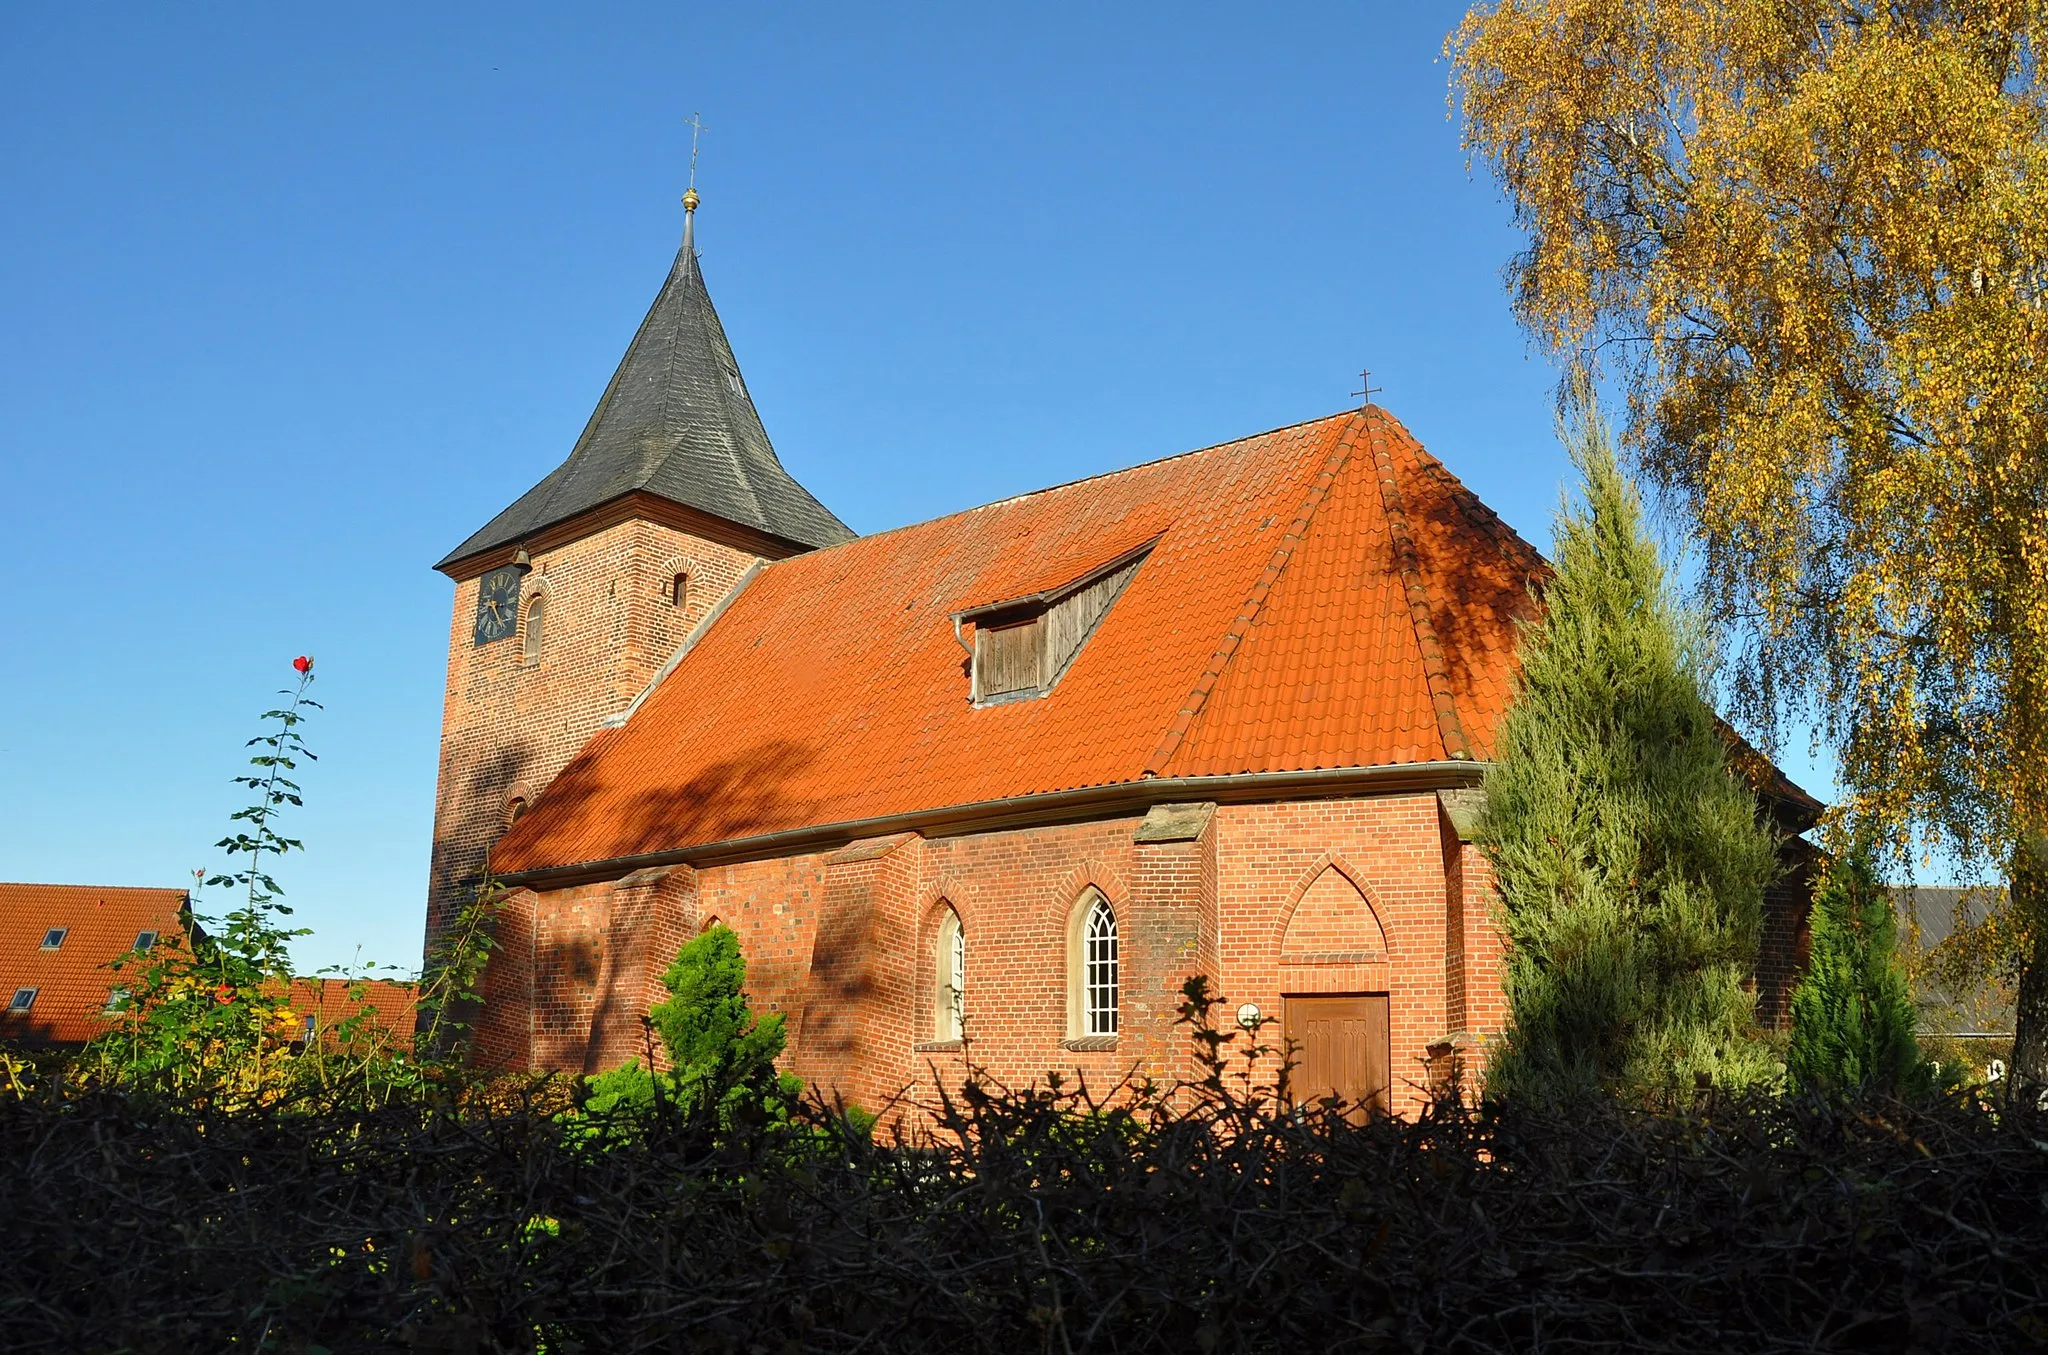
[[223, 995], [304, 663]]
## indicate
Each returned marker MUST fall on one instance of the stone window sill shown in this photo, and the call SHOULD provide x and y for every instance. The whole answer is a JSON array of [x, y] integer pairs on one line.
[[938, 1047], [1088, 1044]]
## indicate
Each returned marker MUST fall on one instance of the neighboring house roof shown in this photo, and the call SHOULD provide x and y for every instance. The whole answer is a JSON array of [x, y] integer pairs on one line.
[[73, 981], [1927, 916], [332, 1001], [676, 421], [1322, 596]]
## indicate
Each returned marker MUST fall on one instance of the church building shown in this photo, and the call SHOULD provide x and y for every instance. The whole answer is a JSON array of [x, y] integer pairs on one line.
[[990, 788]]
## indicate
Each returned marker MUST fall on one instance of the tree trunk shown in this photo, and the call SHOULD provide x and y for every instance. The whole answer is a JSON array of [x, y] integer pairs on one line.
[[2028, 1077]]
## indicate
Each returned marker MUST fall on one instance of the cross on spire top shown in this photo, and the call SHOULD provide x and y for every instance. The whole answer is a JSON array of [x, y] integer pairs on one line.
[[690, 198], [1366, 389]]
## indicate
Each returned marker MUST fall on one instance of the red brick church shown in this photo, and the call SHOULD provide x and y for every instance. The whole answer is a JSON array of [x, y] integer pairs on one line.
[[996, 784]]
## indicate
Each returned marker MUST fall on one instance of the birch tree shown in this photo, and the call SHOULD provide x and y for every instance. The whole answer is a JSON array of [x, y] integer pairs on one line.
[[1810, 237]]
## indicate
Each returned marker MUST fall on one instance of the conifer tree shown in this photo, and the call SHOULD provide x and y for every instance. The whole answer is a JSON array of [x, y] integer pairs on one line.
[[1852, 1013], [721, 1054], [1630, 861]]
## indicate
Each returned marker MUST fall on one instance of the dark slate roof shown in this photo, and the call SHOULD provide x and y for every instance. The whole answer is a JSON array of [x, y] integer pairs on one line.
[[675, 421]]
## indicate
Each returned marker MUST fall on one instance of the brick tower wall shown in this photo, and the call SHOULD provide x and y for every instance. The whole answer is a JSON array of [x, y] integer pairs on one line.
[[508, 726]]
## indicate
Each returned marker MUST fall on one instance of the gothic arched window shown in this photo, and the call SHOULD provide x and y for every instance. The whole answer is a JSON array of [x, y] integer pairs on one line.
[[951, 1016], [1100, 977], [1094, 968]]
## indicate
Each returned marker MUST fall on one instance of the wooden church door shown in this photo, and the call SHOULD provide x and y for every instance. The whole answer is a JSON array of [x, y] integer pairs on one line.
[[1340, 1049]]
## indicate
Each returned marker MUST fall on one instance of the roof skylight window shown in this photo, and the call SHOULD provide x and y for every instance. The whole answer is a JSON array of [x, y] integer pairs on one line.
[[24, 998], [54, 937], [144, 940]]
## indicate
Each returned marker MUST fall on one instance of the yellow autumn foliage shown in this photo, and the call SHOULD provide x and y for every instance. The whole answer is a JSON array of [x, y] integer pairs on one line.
[[1810, 237]]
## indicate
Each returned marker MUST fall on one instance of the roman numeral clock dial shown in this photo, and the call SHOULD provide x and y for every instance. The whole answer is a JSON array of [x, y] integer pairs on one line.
[[497, 604]]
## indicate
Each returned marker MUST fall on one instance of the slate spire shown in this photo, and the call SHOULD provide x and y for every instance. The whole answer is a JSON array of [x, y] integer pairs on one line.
[[676, 421]]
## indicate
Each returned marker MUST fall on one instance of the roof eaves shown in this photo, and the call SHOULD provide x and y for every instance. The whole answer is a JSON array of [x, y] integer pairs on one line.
[[1033, 809]]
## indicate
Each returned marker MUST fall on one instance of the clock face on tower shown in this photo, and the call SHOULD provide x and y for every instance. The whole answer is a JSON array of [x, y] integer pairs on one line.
[[497, 604]]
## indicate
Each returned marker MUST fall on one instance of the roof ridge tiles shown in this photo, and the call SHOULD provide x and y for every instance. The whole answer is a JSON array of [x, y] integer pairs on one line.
[[1473, 508], [1075, 483], [1435, 671], [1262, 588], [101, 889]]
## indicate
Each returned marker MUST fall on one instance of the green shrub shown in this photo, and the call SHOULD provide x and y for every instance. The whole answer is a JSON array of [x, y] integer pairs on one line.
[[721, 1055], [1025, 1221]]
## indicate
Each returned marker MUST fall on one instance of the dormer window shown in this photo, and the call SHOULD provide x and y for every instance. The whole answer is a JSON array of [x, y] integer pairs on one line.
[[1023, 646], [1009, 657]]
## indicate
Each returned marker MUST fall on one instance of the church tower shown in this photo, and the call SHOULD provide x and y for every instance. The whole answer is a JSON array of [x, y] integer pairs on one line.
[[569, 602]]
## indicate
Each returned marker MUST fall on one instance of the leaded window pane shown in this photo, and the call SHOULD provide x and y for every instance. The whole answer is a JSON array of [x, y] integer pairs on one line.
[[959, 978], [1099, 978]]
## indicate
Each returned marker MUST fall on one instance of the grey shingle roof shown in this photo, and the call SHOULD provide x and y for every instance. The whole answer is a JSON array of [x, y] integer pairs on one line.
[[675, 421]]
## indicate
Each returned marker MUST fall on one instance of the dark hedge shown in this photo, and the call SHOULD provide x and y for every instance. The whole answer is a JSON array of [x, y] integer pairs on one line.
[[1758, 1225]]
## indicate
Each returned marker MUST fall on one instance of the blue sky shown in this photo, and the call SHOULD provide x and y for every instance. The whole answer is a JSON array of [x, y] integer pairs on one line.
[[296, 299]]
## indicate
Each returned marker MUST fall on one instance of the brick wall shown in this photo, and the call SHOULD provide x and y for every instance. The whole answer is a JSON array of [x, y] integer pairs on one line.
[[859, 1019], [503, 1035], [1480, 1008], [1781, 957], [1309, 888], [508, 726], [1369, 895], [1361, 895]]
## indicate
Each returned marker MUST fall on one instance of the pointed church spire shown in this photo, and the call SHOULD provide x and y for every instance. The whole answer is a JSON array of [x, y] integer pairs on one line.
[[676, 421]]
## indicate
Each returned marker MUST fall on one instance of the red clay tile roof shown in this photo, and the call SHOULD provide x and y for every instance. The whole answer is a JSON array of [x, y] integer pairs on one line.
[[330, 1002], [71, 982], [1321, 596], [101, 923]]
